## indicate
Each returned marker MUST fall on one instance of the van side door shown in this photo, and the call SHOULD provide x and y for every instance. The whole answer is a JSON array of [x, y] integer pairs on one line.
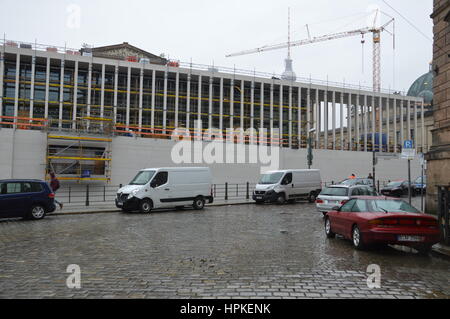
[[161, 190], [288, 186]]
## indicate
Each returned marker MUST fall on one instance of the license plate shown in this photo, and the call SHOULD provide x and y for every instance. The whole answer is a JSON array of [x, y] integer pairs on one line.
[[119, 204], [258, 197], [409, 238]]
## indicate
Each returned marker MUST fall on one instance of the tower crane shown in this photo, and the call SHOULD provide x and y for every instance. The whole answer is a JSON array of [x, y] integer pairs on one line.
[[376, 32]]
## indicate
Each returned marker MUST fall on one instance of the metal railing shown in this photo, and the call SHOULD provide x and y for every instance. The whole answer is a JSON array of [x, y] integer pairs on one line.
[[86, 195]]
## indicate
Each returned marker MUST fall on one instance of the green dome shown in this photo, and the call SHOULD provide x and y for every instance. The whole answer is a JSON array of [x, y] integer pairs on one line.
[[423, 87]]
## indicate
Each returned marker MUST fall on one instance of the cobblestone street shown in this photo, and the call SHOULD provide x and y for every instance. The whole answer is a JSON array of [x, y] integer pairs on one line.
[[245, 251]]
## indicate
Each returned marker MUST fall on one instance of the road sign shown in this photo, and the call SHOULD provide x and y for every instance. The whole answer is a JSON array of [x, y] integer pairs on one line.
[[408, 150], [386, 156]]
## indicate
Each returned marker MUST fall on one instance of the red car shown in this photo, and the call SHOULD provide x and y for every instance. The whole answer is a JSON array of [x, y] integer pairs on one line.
[[377, 219]]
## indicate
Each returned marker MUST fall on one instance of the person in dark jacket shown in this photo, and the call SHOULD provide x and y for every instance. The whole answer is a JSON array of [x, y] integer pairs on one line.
[[54, 185]]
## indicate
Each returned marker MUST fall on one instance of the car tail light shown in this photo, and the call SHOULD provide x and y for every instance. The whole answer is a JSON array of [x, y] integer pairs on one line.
[[319, 201], [51, 195], [383, 222]]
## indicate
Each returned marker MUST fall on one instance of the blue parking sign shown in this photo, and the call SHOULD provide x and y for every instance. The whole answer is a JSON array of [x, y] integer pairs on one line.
[[408, 144]]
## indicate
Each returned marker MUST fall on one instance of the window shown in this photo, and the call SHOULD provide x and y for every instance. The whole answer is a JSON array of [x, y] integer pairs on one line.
[[142, 178], [31, 187], [10, 188], [335, 191], [287, 179], [360, 206], [356, 191], [347, 207], [160, 179]]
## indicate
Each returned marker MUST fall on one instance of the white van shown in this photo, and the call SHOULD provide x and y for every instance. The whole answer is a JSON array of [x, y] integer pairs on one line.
[[288, 185], [166, 187]]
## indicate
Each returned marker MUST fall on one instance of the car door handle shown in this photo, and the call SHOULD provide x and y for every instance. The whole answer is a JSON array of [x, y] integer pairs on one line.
[[167, 189]]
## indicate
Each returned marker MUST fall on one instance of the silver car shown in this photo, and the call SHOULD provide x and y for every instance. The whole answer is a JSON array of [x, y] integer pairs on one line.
[[338, 195]]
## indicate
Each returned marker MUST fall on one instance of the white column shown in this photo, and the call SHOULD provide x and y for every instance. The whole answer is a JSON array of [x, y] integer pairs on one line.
[[47, 86], [380, 135], [415, 126], [290, 116], [116, 86], [388, 118], [299, 124], [210, 102], [402, 126], [188, 101], [366, 119], [308, 113], [127, 116], [61, 94], [75, 96], [261, 108], [88, 106], [252, 105], [166, 75], [141, 96], [33, 71], [422, 121], [221, 107], [349, 122], [232, 103], [373, 122], [280, 115], [327, 118], [333, 118], [318, 119], [152, 113], [357, 114], [102, 93], [199, 100], [242, 104], [341, 116], [271, 108], [177, 97], [395, 125]]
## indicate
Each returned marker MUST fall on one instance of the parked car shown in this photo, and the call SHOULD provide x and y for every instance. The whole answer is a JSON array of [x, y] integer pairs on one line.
[[338, 195], [369, 220], [27, 198], [396, 188], [420, 186], [166, 187], [288, 185], [357, 181]]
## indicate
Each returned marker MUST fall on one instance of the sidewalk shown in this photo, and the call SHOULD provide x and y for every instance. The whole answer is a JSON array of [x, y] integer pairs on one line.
[[442, 250], [102, 207]]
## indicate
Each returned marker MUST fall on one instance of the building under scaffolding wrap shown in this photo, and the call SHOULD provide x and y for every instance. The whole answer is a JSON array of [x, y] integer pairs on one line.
[[83, 98]]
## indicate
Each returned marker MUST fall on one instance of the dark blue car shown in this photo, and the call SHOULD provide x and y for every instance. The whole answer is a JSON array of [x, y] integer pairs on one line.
[[30, 198]]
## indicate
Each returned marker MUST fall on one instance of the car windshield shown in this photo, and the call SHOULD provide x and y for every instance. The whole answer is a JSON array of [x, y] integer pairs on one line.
[[348, 181], [335, 191], [272, 178], [142, 178], [394, 184], [391, 206]]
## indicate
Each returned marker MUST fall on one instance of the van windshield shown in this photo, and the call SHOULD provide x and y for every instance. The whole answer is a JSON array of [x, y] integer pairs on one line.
[[142, 178], [272, 178]]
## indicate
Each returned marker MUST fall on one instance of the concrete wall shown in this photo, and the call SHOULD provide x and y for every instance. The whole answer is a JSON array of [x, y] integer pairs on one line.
[[22, 155]]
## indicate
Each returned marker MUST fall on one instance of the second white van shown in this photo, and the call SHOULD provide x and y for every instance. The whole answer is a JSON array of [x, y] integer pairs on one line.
[[166, 187], [288, 185]]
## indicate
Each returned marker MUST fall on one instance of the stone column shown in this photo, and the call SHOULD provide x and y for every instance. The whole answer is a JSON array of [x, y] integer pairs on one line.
[[61, 94]]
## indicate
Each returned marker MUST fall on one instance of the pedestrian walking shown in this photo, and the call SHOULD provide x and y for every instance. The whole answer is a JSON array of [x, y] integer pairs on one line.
[[54, 185], [353, 176]]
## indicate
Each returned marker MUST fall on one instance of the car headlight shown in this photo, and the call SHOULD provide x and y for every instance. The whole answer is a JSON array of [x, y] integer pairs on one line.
[[133, 193]]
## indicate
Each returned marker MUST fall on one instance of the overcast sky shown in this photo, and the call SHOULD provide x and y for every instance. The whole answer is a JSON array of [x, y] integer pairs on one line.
[[206, 30]]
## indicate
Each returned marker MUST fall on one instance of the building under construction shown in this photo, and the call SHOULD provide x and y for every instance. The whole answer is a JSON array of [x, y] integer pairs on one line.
[[83, 98]]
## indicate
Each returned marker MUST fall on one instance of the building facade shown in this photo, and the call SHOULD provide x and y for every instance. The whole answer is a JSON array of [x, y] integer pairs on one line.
[[439, 156], [53, 88]]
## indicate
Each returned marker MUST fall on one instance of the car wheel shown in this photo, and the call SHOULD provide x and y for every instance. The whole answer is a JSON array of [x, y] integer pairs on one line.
[[312, 197], [357, 238], [281, 199], [145, 206], [199, 203], [328, 231], [37, 212]]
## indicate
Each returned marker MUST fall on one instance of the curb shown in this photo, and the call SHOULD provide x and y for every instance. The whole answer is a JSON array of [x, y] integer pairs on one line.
[[108, 211], [439, 250]]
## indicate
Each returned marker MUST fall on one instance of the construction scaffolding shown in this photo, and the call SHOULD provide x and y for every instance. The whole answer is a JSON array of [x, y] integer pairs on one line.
[[82, 153]]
